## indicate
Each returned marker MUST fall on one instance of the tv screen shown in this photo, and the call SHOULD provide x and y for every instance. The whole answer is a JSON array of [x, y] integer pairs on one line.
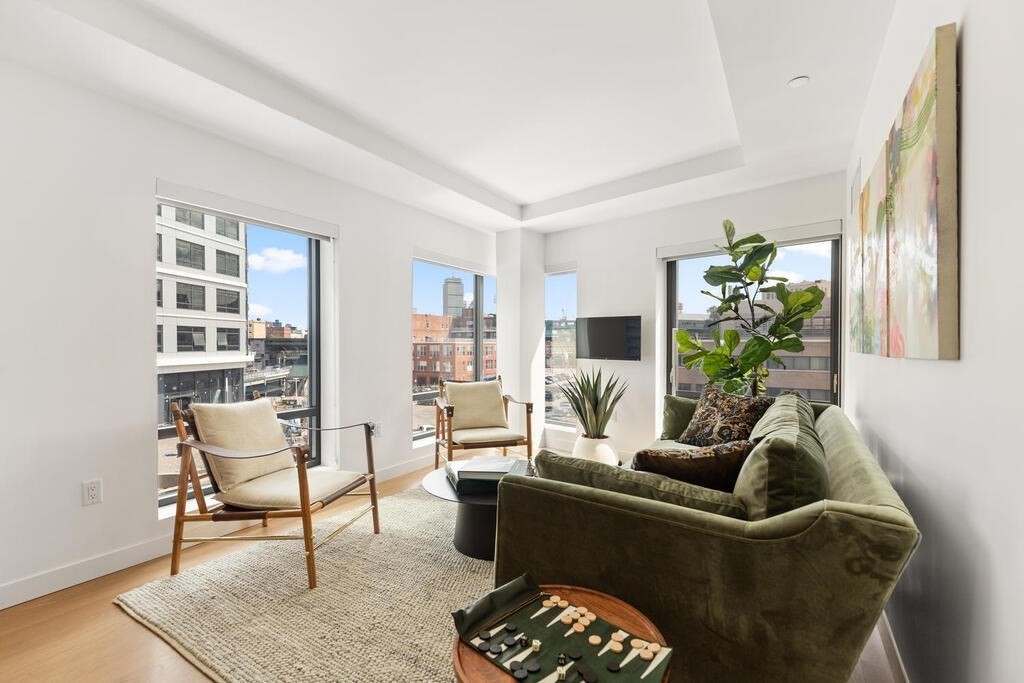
[[614, 338]]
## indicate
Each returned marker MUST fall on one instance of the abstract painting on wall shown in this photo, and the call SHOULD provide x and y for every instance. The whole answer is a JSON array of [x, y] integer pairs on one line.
[[908, 233]]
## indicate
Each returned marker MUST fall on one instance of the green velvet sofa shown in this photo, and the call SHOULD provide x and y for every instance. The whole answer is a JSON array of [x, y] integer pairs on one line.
[[790, 598]]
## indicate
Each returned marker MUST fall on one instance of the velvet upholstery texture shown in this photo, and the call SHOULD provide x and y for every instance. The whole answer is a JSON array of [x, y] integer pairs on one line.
[[713, 467], [786, 469], [790, 598], [677, 411], [721, 417]]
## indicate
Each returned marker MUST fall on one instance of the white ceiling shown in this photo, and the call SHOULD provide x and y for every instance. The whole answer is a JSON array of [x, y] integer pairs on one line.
[[539, 113]]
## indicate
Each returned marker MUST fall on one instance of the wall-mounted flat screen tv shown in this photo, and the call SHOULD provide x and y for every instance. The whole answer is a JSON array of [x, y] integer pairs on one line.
[[613, 338]]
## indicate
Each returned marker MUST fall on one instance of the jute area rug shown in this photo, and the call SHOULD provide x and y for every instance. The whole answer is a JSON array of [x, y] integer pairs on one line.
[[382, 611]]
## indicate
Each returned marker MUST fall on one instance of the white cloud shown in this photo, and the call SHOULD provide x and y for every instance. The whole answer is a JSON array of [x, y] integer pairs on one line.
[[468, 298], [258, 311], [274, 260], [822, 249], [788, 274]]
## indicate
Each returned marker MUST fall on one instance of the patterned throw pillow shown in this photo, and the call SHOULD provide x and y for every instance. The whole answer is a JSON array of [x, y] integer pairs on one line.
[[722, 417], [713, 467]]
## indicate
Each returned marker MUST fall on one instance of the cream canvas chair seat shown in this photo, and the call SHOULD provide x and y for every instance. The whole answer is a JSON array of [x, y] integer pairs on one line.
[[257, 475], [475, 415]]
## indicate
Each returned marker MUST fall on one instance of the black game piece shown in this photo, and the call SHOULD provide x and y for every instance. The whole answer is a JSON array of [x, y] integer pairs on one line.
[[484, 635], [515, 665], [520, 674], [533, 667], [483, 647], [614, 667], [562, 659], [496, 649], [588, 674], [511, 628], [524, 640], [510, 641], [575, 653]]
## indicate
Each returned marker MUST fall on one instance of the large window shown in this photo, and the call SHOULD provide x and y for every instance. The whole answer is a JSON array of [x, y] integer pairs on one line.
[[813, 372], [559, 345], [454, 334], [224, 353]]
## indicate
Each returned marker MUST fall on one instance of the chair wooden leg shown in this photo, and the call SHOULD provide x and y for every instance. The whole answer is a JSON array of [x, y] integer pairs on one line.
[[307, 516], [504, 450], [179, 510], [376, 507], [437, 434]]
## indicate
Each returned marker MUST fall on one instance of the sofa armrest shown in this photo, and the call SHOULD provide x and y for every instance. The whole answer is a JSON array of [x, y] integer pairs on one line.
[[733, 596]]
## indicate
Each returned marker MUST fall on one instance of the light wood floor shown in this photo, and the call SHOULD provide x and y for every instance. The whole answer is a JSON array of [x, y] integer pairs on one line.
[[78, 634]]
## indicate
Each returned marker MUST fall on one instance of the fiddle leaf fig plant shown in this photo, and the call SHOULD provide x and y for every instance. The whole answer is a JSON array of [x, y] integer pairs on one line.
[[741, 365]]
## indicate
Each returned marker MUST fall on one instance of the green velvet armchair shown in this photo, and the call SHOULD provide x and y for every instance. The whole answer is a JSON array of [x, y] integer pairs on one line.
[[789, 598]]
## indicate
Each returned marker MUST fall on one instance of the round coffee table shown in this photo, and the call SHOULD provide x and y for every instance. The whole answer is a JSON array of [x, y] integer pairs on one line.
[[476, 519], [472, 667]]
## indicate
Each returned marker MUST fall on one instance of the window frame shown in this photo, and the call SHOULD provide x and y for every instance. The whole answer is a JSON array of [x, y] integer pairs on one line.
[[193, 330], [835, 336], [177, 295], [226, 257], [221, 308], [191, 254]]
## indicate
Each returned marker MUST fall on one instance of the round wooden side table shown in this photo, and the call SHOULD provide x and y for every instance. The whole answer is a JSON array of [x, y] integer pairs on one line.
[[471, 667]]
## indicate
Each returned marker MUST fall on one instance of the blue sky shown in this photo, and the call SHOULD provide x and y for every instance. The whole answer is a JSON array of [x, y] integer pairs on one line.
[[278, 276], [559, 296], [428, 287], [798, 262]]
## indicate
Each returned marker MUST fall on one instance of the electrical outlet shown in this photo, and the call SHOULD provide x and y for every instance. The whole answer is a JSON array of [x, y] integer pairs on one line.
[[92, 492]]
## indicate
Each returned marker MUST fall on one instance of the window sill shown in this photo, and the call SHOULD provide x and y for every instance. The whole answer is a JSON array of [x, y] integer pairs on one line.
[[559, 428]]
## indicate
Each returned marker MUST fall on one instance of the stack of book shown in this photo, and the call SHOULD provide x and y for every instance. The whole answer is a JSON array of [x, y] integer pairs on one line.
[[482, 473]]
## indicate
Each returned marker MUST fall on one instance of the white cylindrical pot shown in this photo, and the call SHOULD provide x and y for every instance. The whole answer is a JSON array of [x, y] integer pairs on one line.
[[601, 450]]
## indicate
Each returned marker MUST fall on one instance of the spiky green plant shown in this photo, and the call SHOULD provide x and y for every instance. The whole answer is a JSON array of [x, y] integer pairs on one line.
[[593, 400]]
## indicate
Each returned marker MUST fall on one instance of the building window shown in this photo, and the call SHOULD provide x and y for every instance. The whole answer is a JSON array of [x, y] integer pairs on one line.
[[191, 297], [559, 345], [190, 255], [454, 318], [159, 248], [159, 293], [278, 360], [229, 301], [813, 371], [191, 338], [227, 264], [228, 339], [159, 338], [227, 227], [189, 217]]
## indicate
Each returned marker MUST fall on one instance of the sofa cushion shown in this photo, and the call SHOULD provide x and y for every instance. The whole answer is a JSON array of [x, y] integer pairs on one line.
[[676, 413], [786, 468], [713, 467], [485, 435], [477, 404], [641, 484], [280, 490], [721, 417], [244, 426]]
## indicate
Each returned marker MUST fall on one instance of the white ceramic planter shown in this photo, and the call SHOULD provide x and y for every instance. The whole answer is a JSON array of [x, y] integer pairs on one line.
[[601, 450]]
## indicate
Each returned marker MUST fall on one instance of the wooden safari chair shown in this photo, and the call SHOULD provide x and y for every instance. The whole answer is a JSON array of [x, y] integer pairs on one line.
[[257, 475], [471, 415]]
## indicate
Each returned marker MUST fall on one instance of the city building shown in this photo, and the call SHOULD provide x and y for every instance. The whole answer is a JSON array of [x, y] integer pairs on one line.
[[454, 297], [202, 346]]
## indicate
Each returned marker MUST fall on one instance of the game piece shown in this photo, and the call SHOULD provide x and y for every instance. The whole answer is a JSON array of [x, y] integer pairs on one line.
[[566, 619], [638, 644], [562, 659], [585, 621], [594, 640], [524, 641], [510, 641], [511, 628], [483, 646], [548, 603], [563, 603], [556, 599], [575, 653], [614, 667], [495, 649], [578, 627], [618, 636], [536, 645], [654, 647], [574, 616], [561, 673], [591, 616], [533, 667], [646, 655], [588, 674], [615, 646], [484, 635], [581, 610], [520, 674], [515, 665]]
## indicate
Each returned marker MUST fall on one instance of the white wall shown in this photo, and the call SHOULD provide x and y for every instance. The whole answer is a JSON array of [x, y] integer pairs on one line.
[[78, 351], [948, 432], [618, 273]]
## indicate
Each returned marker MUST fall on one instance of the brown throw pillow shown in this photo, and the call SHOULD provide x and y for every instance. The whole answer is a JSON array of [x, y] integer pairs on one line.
[[722, 417], [713, 467]]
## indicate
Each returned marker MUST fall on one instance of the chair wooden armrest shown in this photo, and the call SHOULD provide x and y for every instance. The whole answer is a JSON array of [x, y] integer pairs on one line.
[[444, 406], [226, 452], [528, 404]]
